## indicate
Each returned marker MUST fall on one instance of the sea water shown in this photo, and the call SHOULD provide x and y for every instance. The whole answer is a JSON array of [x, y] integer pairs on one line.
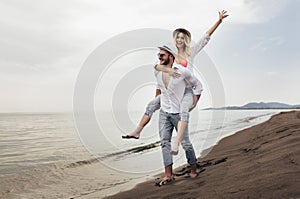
[[43, 145]]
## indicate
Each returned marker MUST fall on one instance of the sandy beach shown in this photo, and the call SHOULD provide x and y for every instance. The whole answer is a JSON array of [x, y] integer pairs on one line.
[[258, 162]]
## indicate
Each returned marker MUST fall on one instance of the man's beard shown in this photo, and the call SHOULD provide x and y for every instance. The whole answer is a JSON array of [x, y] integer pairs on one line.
[[166, 62]]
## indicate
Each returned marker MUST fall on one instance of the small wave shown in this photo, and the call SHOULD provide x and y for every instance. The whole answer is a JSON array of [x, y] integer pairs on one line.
[[137, 149], [11, 155], [213, 129], [250, 118], [82, 163]]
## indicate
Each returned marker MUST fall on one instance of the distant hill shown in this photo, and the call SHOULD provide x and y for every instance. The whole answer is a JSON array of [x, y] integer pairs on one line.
[[260, 105]]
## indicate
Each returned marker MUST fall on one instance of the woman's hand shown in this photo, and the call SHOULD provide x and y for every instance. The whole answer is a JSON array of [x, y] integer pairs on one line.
[[173, 72], [222, 15]]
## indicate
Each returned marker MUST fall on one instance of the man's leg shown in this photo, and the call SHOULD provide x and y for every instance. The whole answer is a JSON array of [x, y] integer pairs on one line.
[[168, 176], [189, 152], [169, 171], [151, 108], [188, 148], [165, 133]]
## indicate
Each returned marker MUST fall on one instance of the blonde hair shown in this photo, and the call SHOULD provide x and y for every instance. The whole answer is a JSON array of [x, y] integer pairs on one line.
[[187, 42]]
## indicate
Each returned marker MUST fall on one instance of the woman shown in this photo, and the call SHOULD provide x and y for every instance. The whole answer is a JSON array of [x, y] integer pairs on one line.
[[186, 54]]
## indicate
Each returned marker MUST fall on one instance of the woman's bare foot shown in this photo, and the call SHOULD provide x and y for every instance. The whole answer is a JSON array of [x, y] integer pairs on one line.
[[135, 134], [129, 136]]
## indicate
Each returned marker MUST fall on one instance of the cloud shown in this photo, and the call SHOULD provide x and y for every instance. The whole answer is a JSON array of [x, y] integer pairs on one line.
[[250, 12], [41, 40], [265, 43], [42, 32], [47, 32]]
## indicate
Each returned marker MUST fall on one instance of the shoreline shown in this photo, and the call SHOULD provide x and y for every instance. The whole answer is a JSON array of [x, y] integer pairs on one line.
[[247, 163], [87, 178]]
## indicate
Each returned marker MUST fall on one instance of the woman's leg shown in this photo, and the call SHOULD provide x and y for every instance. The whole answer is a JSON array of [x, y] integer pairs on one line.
[[151, 108], [185, 105]]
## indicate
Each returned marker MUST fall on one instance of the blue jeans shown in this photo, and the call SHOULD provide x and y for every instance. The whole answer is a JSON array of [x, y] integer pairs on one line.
[[185, 105], [153, 106], [167, 122]]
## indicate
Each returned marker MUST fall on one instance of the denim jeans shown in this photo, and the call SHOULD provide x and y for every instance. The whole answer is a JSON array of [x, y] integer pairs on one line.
[[185, 105], [153, 106], [167, 122]]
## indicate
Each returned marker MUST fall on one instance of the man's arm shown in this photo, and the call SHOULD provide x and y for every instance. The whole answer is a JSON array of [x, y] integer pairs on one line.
[[195, 101], [157, 92]]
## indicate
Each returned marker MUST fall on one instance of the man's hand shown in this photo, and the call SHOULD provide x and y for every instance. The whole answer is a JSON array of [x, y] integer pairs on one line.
[[195, 101]]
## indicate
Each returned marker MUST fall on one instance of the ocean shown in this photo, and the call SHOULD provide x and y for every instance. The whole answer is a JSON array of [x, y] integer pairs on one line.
[[44, 154]]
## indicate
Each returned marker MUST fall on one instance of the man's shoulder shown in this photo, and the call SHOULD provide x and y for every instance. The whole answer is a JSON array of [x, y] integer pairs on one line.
[[156, 72]]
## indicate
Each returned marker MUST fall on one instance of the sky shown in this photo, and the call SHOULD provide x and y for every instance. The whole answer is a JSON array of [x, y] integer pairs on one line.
[[44, 44]]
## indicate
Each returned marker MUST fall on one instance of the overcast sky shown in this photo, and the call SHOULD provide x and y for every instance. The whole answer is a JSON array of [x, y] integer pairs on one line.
[[44, 43]]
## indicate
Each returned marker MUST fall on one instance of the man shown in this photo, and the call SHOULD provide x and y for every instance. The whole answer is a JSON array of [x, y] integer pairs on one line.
[[172, 92]]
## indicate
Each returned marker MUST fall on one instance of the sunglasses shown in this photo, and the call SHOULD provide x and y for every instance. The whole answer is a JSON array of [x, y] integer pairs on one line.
[[161, 55]]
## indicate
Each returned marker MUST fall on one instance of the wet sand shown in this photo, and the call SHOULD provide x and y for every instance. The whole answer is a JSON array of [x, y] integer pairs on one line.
[[259, 162]]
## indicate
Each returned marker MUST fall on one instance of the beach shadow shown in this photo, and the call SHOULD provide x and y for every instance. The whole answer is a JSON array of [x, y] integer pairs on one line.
[[201, 166]]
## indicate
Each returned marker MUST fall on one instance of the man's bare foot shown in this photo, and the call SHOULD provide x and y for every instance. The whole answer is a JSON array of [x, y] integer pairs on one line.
[[166, 180], [193, 175]]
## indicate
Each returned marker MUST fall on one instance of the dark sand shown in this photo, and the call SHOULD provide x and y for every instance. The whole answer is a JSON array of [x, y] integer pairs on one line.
[[259, 162]]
